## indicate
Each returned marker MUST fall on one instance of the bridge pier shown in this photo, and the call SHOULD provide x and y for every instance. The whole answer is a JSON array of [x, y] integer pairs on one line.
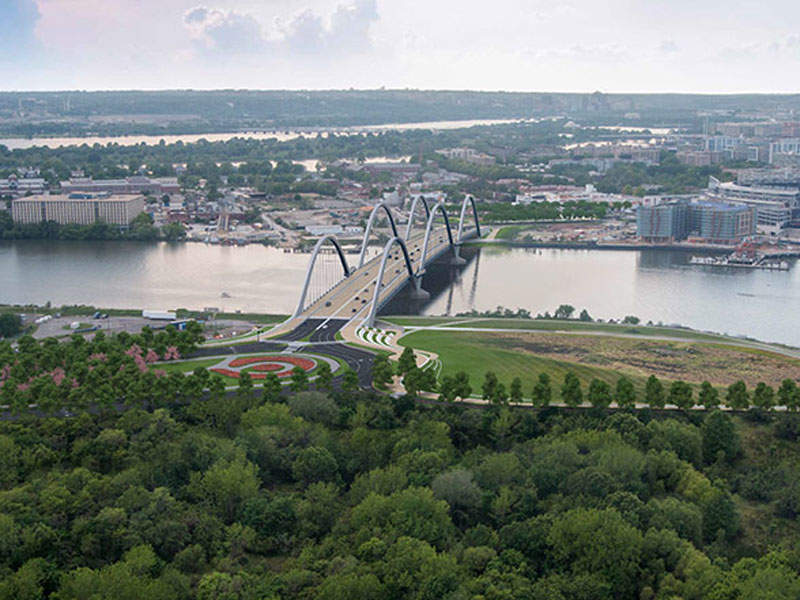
[[417, 293], [457, 260]]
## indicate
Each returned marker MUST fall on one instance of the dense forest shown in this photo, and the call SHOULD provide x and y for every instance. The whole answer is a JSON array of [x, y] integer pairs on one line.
[[353, 494]]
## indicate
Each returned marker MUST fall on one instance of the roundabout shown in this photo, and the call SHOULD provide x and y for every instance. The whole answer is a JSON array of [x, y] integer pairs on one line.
[[282, 365]]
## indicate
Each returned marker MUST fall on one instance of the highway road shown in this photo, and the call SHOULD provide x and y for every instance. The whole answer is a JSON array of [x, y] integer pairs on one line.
[[347, 299]]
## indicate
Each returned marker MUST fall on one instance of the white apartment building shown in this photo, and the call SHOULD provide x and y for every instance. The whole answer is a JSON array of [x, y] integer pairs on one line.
[[78, 209]]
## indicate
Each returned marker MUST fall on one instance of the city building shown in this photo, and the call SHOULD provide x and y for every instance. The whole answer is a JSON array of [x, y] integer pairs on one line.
[[661, 223], [469, 155], [775, 206], [721, 223], [700, 158], [79, 209], [138, 184], [21, 186], [700, 221], [780, 149], [781, 177]]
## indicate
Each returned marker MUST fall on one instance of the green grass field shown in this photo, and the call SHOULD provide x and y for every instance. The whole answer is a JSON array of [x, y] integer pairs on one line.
[[525, 355], [188, 366], [509, 232], [548, 325], [468, 352]]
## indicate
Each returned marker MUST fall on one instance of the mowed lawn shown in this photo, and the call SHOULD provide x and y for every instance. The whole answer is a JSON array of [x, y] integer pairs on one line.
[[553, 325], [526, 354], [188, 366], [469, 352]]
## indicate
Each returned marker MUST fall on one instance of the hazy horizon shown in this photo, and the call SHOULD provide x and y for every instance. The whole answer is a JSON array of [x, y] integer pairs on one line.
[[622, 46]]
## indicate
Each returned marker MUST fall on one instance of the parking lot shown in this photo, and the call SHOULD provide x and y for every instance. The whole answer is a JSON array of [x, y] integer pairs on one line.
[[60, 326]]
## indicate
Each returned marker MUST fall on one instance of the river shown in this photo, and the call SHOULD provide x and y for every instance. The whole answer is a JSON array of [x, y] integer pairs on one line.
[[280, 135], [653, 285]]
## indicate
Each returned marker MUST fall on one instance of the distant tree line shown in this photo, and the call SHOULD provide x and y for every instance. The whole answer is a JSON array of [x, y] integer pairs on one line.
[[140, 229]]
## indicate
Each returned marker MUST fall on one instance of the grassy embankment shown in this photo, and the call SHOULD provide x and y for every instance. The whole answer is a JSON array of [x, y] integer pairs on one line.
[[526, 354], [558, 325]]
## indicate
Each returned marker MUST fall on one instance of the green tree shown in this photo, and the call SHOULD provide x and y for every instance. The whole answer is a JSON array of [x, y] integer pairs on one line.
[[720, 517], [271, 390], [381, 371], [10, 324], [349, 381], [571, 392], [245, 388], [415, 380], [737, 396], [680, 395], [458, 489], [515, 392], [625, 394], [489, 386], [601, 542], [599, 393], [720, 439], [173, 231], [500, 396], [709, 397], [407, 361], [324, 376], [299, 380], [462, 388], [542, 391], [447, 389], [315, 464], [788, 395], [227, 484], [764, 396], [351, 585], [654, 392], [564, 311]]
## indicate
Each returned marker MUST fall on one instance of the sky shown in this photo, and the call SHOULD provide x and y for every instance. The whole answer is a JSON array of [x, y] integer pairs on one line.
[[707, 46]]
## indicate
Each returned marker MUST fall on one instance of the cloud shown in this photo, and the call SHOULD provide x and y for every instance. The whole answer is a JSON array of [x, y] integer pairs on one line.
[[17, 21], [585, 53], [225, 31], [668, 47], [306, 34]]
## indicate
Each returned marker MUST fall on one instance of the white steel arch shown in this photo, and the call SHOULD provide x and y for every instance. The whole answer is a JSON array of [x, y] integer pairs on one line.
[[368, 229], [412, 213], [471, 200], [314, 254], [428, 228], [387, 250]]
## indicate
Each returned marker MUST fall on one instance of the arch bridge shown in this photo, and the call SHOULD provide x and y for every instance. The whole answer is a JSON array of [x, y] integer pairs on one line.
[[358, 293]]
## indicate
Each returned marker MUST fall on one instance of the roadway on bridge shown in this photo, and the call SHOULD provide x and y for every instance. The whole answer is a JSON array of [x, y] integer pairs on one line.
[[354, 293]]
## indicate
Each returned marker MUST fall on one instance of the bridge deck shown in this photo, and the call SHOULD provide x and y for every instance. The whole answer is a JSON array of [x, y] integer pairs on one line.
[[352, 297]]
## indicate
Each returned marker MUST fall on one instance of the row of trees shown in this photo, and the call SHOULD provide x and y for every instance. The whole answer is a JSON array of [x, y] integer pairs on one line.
[[141, 229], [680, 394]]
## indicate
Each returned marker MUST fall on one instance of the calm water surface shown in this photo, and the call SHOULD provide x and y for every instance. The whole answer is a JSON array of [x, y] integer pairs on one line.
[[654, 285], [281, 136]]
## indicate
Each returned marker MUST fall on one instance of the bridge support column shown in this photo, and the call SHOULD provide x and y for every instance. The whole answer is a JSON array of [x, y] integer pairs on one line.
[[417, 293], [457, 260]]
